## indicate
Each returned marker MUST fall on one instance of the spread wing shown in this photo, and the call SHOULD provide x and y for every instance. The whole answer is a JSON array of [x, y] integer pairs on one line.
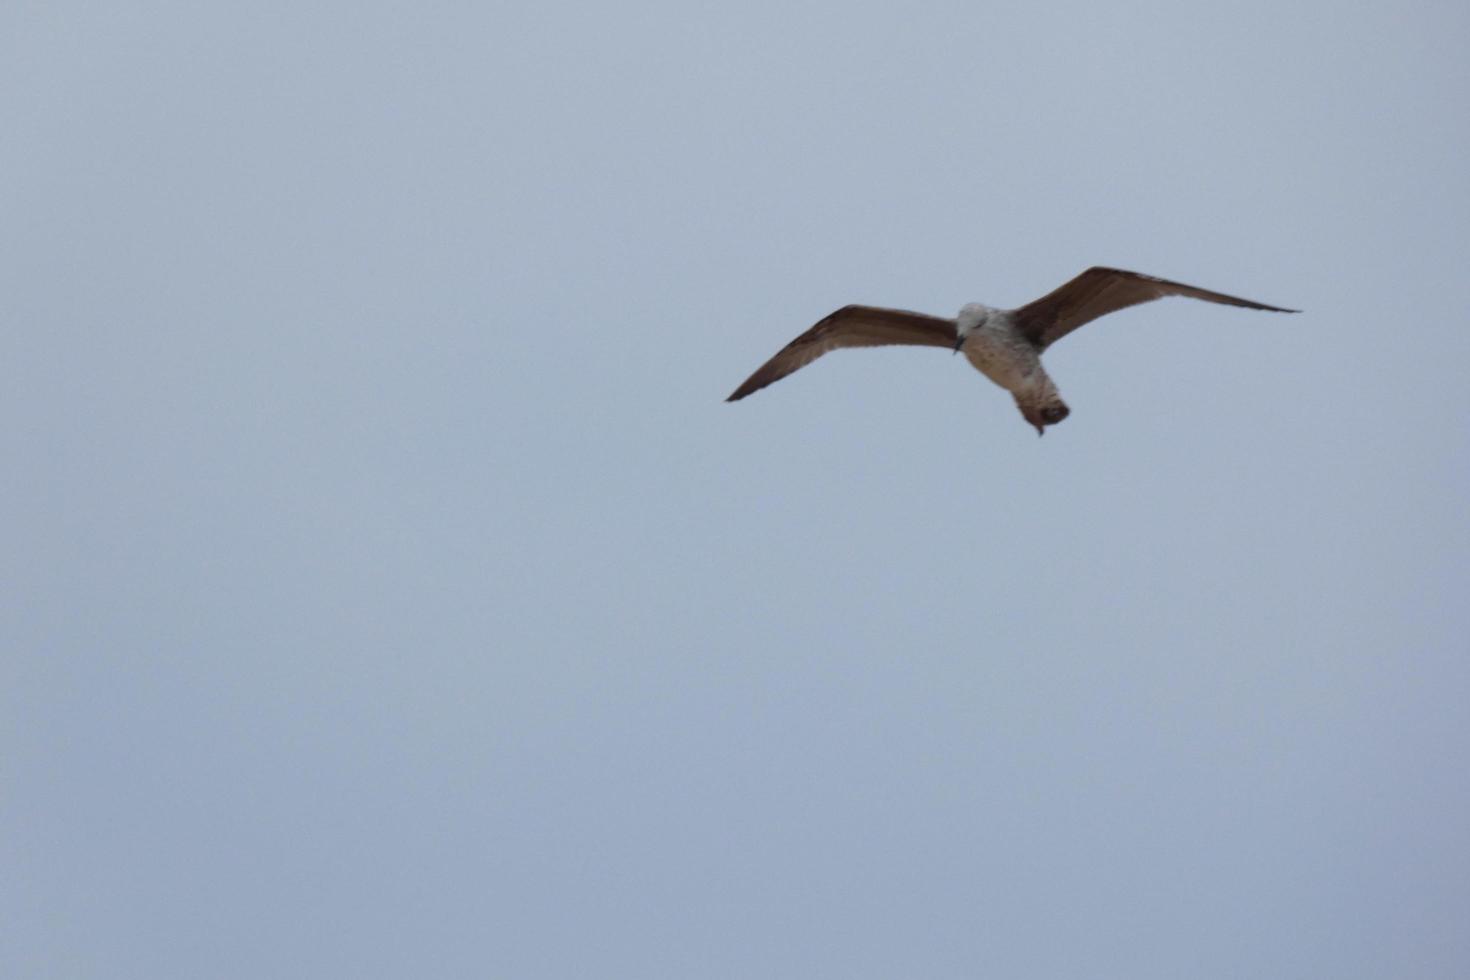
[[1100, 291], [851, 326]]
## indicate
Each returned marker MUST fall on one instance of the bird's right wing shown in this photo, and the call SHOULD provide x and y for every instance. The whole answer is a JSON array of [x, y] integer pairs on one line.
[[851, 326], [1100, 291]]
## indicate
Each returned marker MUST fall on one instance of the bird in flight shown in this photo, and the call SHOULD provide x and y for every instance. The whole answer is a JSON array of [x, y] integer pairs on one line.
[[1003, 345]]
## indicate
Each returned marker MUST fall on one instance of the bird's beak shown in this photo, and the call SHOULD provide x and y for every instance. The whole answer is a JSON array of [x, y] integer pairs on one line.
[[959, 342]]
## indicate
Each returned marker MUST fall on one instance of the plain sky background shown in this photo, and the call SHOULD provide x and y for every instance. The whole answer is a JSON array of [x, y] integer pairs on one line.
[[387, 591]]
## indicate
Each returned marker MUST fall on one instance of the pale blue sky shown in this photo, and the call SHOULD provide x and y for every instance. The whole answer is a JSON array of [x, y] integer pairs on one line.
[[387, 591]]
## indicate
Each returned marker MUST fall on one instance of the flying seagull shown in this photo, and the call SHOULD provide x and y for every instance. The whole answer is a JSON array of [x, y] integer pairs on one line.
[[1003, 345]]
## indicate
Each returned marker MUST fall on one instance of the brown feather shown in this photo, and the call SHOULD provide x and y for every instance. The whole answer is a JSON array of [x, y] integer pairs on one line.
[[1100, 291], [851, 326]]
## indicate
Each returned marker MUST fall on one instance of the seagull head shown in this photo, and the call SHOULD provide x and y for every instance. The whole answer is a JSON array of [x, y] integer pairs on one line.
[[972, 316]]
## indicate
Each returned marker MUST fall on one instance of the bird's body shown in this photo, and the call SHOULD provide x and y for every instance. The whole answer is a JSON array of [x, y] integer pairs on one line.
[[1001, 352], [1003, 345]]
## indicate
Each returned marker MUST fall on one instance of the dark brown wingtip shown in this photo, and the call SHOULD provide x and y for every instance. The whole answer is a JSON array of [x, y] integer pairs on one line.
[[751, 385], [748, 388]]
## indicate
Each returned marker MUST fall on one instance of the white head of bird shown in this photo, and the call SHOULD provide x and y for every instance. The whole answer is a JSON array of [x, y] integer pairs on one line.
[[972, 317]]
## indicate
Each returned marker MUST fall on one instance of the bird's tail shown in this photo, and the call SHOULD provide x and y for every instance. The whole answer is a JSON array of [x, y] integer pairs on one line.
[[1044, 411]]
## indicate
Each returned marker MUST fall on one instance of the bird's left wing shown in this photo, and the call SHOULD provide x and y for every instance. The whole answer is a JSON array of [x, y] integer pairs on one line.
[[851, 326], [1100, 291]]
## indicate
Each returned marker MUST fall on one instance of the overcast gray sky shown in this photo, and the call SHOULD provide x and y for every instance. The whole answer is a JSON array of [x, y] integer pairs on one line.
[[387, 591]]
